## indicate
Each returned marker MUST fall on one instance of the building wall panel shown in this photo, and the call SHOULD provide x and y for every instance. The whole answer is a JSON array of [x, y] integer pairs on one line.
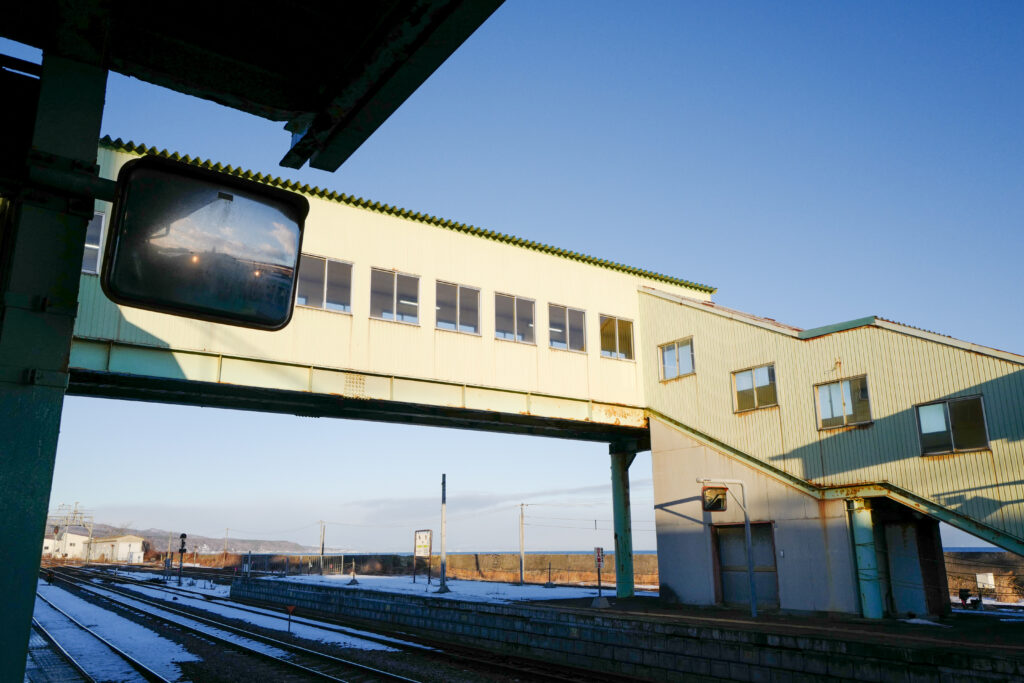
[[903, 371]]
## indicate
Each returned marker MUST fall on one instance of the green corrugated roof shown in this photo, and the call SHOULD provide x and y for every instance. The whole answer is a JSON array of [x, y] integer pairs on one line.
[[836, 327], [361, 203]]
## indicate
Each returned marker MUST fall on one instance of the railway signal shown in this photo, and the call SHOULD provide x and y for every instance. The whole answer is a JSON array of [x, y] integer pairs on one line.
[[181, 556]]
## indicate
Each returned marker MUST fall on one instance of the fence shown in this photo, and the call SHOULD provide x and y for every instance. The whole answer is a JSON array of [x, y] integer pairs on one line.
[[558, 568]]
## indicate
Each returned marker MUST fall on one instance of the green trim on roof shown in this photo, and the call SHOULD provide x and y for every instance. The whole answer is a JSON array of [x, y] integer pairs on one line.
[[358, 202], [836, 327]]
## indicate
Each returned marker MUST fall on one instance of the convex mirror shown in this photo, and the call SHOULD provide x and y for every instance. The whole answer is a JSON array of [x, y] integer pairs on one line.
[[196, 243], [714, 499]]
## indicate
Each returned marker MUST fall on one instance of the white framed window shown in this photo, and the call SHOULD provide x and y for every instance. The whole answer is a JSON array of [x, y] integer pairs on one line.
[[394, 296], [755, 388], [616, 337], [676, 359], [567, 328], [513, 318], [952, 426], [458, 308], [93, 243], [324, 283], [843, 403]]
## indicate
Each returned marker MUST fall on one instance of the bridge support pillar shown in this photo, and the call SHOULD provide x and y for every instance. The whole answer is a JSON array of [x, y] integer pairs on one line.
[[43, 235], [622, 457], [867, 561]]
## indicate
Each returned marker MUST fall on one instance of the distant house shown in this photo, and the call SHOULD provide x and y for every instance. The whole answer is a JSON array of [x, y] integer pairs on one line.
[[71, 545], [127, 548]]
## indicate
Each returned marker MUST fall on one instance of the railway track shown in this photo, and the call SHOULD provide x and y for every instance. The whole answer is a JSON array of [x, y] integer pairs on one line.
[[482, 661], [312, 664], [88, 672]]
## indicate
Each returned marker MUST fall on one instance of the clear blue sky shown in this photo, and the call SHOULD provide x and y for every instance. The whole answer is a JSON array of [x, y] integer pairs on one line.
[[817, 162]]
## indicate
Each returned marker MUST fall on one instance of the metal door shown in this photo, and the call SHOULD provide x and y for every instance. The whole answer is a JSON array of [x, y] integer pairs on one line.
[[730, 546]]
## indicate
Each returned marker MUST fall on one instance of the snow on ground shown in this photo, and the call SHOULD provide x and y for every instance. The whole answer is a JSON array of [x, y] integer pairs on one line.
[[102, 664], [300, 628], [476, 591], [153, 650], [193, 625], [925, 622]]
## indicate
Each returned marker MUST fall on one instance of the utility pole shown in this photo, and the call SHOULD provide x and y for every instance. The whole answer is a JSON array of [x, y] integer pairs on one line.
[[224, 562], [321, 547], [444, 529], [522, 544]]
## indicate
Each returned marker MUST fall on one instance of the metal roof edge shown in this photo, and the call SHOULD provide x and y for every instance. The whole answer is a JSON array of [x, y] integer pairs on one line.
[[771, 326], [836, 327], [358, 202], [949, 341]]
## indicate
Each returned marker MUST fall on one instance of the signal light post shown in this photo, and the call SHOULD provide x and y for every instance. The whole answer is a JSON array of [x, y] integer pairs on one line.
[[181, 556]]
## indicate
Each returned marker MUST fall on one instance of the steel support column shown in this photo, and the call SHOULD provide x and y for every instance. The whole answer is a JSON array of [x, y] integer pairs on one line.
[[867, 562], [38, 295], [622, 458]]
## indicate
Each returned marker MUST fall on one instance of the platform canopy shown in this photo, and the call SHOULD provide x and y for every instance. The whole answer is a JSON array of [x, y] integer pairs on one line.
[[332, 71]]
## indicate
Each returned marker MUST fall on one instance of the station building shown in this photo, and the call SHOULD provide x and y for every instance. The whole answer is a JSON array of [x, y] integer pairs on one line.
[[126, 548], [847, 444], [69, 545]]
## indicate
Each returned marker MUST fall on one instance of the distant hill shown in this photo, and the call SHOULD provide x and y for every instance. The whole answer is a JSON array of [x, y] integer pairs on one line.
[[157, 539]]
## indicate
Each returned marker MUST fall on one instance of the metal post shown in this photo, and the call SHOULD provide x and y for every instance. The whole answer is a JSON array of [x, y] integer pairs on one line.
[[622, 457], [867, 561], [522, 544], [39, 279], [444, 531], [321, 547], [748, 541]]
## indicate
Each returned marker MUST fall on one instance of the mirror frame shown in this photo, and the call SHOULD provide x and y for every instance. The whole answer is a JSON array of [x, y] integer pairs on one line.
[[296, 201]]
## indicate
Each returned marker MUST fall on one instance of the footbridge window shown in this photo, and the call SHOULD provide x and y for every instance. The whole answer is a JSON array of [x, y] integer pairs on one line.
[[324, 283], [843, 403], [755, 388], [952, 426], [458, 308], [616, 337], [394, 296], [513, 318], [567, 328], [676, 359]]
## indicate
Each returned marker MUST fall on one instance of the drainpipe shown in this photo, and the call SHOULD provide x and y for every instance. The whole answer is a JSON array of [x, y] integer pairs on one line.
[[867, 561]]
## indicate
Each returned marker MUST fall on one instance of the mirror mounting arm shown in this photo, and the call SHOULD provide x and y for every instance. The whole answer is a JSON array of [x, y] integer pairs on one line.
[[69, 176]]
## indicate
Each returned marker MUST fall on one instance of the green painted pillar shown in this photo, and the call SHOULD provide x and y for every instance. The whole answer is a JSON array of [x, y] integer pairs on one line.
[[622, 458], [867, 561], [38, 299]]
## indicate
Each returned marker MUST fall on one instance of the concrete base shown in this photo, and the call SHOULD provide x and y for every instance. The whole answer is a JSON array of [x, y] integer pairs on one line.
[[649, 647]]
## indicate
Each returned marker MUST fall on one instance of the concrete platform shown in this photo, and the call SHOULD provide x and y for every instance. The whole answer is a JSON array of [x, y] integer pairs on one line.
[[644, 638]]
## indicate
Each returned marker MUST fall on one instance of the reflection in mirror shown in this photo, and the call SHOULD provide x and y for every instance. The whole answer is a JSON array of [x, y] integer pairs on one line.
[[195, 243]]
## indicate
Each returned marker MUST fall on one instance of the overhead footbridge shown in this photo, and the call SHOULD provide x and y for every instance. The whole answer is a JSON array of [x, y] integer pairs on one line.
[[850, 440]]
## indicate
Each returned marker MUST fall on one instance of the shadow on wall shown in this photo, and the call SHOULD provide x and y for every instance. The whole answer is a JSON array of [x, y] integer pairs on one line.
[[895, 439]]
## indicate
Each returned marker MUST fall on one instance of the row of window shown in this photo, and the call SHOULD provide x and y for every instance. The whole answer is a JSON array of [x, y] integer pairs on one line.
[[327, 283], [947, 426]]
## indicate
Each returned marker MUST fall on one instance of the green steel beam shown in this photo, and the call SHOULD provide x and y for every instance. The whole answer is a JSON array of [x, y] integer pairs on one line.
[[39, 293], [927, 507], [621, 460], [862, 525]]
